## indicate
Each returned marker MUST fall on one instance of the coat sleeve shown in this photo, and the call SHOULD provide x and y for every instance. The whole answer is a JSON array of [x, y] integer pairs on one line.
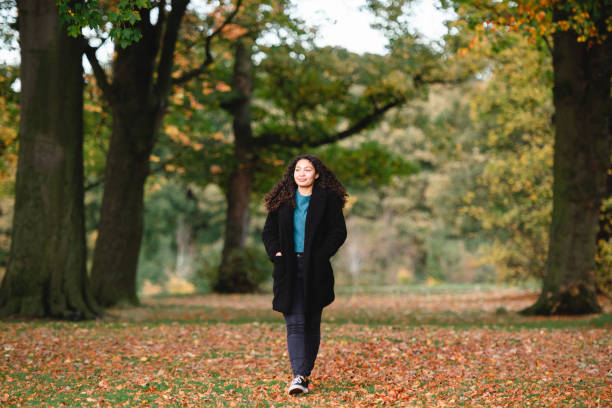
[[336, 227], [270, 236]]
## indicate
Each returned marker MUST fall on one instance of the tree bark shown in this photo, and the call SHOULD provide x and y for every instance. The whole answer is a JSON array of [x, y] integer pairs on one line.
[[115, 260], [581, 98], [231, 277], [47, 275]]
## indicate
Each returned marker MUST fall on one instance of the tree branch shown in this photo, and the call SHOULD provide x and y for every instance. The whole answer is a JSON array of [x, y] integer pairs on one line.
[[99, 73], [269, 139], [161, 165], [164, 69], [93, 184], [161, 20], [547, 42], [209, 58]]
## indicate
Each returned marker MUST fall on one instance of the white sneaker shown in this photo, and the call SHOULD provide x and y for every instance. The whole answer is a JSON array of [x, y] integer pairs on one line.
[[299, 385]]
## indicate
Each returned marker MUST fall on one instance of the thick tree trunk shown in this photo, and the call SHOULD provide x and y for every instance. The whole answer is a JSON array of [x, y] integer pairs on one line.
[[46, 274], [233, 276], [581, 160], [135, 123], [115, 259], [138, 96]]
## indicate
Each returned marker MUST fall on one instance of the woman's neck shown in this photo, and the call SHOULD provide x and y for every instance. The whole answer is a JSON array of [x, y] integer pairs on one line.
[[305, 191]]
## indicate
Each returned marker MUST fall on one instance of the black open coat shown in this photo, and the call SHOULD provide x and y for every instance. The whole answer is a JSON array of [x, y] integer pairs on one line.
[[325, 233]]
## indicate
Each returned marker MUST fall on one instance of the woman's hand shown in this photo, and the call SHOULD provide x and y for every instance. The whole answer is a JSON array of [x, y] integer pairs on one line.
[[278, 254]]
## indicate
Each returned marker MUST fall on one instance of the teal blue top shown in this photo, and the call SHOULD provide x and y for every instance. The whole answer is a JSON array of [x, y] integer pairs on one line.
[[299, 221]]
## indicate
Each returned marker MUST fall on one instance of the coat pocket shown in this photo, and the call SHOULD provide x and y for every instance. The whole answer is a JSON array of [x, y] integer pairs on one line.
[[324, 279], [280, 288], [279, 267]]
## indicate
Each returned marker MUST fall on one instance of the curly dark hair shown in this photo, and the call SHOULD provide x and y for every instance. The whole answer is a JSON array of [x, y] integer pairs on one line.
[[285, 189]]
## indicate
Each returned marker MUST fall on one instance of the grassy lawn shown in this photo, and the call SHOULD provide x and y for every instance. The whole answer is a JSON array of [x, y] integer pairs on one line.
[[414, 346]]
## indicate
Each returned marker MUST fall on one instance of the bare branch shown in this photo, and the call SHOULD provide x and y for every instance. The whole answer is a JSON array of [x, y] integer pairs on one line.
[[209, 58], [98, 71], [164, 69], [547, 42], [270, 139]]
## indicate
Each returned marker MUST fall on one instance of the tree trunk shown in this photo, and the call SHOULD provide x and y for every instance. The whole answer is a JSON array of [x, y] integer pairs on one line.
[[47, 275], [138, 96], [233, 274], [581, 98], [185, 248], [115, 260], [136, 117]]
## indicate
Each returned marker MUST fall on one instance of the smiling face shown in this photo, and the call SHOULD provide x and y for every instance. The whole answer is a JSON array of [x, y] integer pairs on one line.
[[304, 174]]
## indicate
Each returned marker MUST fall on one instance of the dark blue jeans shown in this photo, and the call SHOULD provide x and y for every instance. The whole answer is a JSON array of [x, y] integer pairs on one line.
[[303, 329]]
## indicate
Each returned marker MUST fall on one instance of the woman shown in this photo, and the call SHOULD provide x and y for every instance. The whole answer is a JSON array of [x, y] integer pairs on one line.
[[304, 228]]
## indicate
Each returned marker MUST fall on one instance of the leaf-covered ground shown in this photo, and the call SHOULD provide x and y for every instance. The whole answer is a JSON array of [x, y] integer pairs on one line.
[[458, 348]]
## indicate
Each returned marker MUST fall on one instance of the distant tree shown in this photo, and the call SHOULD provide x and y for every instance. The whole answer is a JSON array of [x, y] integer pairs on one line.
[[250, 146], [511, 199], [142, 82], [306, 97], [302, 97]]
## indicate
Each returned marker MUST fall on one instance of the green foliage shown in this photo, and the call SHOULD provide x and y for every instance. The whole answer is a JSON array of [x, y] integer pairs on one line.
[[9, 125], [359, 167], [370, 164], [482, 150], [412, 225], [194, 149], [603, 258], [97, 121], [170, 211], [441, 259], [207, 272], [269, 17], [302, 93], [308, 94], [513, 197], [603, 273], [121, 16]]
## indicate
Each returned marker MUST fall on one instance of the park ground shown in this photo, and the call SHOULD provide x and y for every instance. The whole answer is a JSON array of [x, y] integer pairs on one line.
[[414, 346]]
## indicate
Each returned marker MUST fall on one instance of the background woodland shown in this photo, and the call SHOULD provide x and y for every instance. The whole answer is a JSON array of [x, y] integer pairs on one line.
[[447, 148]]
